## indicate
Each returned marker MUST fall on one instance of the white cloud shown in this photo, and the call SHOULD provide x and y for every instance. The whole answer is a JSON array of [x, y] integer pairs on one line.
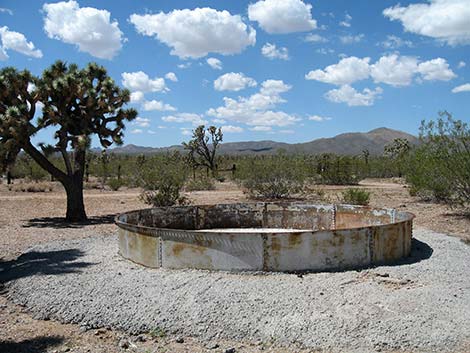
[[282, 16], [392, 69], [171, 76], [140, 81], [461, 64], [436, 69], [142, 122], [318, 118], [257, 109], [184, 65], [215, 63], [232, 129], [196, 33], [445, 20], [261, 128], [462, 88], [137, 97], [186, 131], [315, 38], [16, 41], [90, 29], [325, 51], [347, 21], [347, 94], [137, 131], [270, 51], [157, 105], [233, 81], [192, 118], [5, 10], [395, 70], [350, 39], [394, 42], [347, 71]]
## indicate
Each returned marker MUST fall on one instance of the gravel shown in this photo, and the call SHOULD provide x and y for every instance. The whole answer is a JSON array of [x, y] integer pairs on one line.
[[421, 304]]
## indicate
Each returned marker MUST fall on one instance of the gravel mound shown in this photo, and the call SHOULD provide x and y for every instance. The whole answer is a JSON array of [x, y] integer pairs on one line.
[[421, 304]]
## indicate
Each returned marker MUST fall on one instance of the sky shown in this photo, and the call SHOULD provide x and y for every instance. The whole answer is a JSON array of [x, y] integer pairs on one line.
[[283, 70]]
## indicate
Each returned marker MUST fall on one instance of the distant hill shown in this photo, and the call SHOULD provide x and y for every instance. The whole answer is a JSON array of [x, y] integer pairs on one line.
[[351, 143]]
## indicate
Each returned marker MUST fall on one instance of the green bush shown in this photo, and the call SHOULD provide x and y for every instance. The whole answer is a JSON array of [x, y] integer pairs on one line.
[[115, 184], [274, 179], [339, 170], [200, 184], [356, 196], [440, 167], [163, 180]]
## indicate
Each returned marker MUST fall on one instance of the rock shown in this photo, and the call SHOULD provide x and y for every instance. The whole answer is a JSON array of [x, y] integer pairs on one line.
[[179, 340], [140, 338], [230, 350], [212, 346], [123, 344]]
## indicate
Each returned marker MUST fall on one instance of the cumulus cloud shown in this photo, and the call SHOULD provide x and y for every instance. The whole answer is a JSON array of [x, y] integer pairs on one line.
[[436, 70], [137, 97], [261, 128], [315, 38], [192, 118], [349, 95], [461, 64], [137, 131], [171, 76], [140, 81], [394, 42], [157, 105], [462, 88], [90, 29], [215, 63], [233, 81], [257, 109], [346, 71], [282, 16], [16, 41], [319, 118], [347, 21], [196, 33], [351, 39], [142, 122], [393, 69], [270, 51], [444, 20], [232, 129]]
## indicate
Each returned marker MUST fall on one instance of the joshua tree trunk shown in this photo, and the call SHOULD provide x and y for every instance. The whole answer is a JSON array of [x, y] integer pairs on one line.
[[75, 205]]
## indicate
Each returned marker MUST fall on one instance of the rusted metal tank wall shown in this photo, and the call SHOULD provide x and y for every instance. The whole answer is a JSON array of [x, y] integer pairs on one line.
[[240, 236]]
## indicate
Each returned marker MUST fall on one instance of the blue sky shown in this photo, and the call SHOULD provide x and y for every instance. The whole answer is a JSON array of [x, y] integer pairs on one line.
[[284, 70]]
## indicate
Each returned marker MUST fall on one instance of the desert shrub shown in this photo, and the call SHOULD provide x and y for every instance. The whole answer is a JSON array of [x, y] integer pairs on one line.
[[200, 184], [338, 170], [356, 196], [440, 166], [33, 187], [163, 180], [273, 179], [115, 184]]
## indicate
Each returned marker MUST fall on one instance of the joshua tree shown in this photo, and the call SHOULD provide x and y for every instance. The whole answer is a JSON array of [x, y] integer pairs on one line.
[[202, 147], [77, 104]]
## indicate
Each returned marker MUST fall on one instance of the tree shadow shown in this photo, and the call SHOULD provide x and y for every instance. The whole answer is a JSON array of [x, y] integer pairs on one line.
[[33, 345], [61, 223], [41, 263]]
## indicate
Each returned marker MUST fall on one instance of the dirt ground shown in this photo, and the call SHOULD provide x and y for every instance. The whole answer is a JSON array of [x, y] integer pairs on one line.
[[27, 219]]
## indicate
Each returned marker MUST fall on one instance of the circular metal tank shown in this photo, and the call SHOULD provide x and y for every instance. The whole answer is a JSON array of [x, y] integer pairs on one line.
[[265, 236]]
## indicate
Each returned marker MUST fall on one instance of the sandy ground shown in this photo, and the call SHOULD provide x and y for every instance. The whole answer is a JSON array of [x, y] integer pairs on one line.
[[28, 219]]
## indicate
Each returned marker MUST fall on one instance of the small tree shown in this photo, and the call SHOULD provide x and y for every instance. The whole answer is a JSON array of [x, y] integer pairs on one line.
[[77, 104], [203, 146], [398, 150]]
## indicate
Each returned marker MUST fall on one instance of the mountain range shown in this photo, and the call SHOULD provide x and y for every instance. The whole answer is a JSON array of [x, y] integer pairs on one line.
[[351, 143]]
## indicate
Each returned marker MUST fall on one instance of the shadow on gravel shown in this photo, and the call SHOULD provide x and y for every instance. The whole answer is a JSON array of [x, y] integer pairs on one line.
[[59, 222], [34, 345], [41, 263], [419, 251]]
